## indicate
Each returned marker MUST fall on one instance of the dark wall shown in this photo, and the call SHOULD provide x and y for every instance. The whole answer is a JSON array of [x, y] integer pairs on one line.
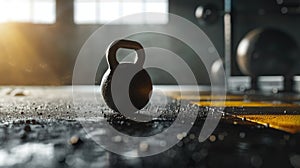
[[35, 54], [215, 31]]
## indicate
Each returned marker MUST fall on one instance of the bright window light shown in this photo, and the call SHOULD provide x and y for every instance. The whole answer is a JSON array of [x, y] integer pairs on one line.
[[34, 11], [103, 11], [86, 11]]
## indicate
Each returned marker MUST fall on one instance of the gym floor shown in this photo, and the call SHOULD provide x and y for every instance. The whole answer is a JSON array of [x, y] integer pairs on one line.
[[40, 127]]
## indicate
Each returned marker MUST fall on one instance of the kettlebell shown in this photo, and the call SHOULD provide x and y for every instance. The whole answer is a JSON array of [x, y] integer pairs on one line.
[[269, 52], [126, 84]]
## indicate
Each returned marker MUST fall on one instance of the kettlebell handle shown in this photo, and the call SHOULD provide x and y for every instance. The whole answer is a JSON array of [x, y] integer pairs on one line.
[[111, 53]]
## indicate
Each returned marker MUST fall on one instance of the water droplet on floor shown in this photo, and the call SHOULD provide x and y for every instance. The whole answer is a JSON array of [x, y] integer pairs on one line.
[[74, 140], [192, 136], [179, 136], [242, 134], [221, 137], [212, 138], [144, 147], [117, 138], [162, 143]]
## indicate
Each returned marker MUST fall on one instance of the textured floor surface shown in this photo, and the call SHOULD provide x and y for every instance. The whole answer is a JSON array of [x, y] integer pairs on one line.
[[43, 127]]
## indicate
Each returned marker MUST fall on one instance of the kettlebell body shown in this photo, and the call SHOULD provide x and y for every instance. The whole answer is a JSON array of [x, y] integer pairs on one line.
[[126, 80], [268, 52]]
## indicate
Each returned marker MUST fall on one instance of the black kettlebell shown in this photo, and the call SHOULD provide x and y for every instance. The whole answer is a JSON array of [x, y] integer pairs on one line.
[[123, 80], [268, 51]]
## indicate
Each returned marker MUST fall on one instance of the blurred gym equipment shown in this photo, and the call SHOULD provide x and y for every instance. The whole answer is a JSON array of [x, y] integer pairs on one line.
[[268, 52]]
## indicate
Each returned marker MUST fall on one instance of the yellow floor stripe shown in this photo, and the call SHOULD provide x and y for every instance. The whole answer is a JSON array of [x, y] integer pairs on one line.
[[285, 122], [208, 97], [243, 104], [288, 123]]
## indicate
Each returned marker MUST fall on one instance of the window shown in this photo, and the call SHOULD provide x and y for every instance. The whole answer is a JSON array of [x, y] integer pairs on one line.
[[103, 11], [34, 11]]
